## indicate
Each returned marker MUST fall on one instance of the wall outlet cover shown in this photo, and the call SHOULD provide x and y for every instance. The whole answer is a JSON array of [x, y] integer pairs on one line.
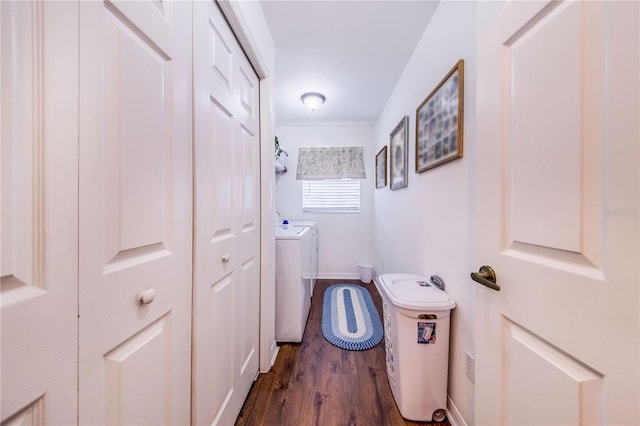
[[470, 367]]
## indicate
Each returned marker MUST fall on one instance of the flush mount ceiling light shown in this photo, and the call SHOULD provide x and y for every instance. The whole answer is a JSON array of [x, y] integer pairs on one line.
[[312, 100]]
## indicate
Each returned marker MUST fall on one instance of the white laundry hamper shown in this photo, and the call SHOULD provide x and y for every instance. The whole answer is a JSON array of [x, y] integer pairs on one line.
[[416, 328]]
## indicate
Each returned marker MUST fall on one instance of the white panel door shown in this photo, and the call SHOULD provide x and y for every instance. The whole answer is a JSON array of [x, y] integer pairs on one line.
[[226, 236], [39, 290], [558, 213], [135, 212]]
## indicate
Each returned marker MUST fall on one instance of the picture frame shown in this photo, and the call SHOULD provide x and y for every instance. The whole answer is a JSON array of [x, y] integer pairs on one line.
[[399, 155], [440, 122], [381, 168]]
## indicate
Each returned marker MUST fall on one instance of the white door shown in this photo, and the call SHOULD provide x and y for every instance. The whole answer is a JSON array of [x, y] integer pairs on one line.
[[558, 213], [39, 290], [227, 229], [135, 212]]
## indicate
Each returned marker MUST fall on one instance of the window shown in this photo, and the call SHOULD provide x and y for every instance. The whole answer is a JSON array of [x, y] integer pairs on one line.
[[331, 196]]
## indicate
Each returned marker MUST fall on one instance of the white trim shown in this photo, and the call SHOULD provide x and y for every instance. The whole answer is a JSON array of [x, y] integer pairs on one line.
[[240, 29], [275, 349], [453, 414], [326, 124], [339, 276]]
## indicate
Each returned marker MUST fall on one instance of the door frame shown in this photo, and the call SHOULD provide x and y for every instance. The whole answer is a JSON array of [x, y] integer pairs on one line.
[[263, 67]]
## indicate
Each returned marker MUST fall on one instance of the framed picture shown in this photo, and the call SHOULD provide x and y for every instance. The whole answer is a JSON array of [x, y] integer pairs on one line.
[[381, 168], [439, 122], [398, 157]]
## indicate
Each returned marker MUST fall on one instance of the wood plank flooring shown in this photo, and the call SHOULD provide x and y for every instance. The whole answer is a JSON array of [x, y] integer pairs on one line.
[[316, 383]]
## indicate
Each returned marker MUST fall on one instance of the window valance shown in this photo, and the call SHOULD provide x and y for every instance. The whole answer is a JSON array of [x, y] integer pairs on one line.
[[342, 162]]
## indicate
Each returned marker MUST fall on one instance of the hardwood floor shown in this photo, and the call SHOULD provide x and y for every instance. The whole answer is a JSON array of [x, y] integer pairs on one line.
[[316, 383]]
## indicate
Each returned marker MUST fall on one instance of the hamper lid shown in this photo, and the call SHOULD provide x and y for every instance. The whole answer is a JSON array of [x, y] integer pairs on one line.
[[415, 292]]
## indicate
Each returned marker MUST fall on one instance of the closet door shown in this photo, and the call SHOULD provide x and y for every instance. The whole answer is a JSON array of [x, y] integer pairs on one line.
[[226, 258], [135, 212], [39, 288]]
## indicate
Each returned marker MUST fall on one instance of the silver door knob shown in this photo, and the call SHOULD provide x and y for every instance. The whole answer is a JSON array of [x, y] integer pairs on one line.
[[146, 296], [226, 257]]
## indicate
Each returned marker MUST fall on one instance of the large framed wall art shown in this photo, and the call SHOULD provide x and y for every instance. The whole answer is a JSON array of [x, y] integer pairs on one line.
[[439, 122], [399, 154]]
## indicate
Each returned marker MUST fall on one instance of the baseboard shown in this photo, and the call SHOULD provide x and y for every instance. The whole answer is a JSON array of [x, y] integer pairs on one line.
[[339, 276], [453, 414], [274, 354]]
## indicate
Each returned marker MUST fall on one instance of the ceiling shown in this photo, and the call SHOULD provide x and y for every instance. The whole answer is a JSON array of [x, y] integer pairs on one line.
[[351, 51]]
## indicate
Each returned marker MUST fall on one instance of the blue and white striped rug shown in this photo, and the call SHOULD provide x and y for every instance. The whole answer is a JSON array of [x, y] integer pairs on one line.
[[349, 318]]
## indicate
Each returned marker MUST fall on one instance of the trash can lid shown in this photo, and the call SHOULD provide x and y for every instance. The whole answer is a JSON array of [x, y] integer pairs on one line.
[[415, 292]]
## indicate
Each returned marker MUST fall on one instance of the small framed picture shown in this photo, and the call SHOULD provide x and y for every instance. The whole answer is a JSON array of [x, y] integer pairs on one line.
[[398, 157], [381, 168], [439, 122]]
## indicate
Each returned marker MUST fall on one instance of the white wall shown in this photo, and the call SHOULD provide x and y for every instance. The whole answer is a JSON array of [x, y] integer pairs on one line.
[[344, 239], [426, 228]]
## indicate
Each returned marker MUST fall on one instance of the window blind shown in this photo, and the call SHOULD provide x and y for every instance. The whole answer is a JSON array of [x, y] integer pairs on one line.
[[331, 196]]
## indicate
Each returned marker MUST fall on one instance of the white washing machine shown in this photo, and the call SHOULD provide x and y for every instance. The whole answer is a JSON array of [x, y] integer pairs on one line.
[[293, 281], [314, 246]]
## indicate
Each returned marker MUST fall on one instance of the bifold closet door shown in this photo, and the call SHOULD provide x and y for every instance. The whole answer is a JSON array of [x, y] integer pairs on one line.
[[227, 230], [135, 212], [39, 292]]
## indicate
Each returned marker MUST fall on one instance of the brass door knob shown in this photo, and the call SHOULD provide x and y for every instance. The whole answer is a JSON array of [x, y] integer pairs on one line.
[[487, 277]]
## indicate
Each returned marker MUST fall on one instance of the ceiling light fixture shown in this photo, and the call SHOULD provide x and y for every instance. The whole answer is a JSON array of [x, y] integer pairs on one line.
[[312, 100]]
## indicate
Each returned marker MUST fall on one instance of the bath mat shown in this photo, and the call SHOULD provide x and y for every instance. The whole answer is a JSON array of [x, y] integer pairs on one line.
[[349, 318]]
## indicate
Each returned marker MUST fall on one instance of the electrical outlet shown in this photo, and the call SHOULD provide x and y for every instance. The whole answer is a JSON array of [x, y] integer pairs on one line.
[[470, 366]]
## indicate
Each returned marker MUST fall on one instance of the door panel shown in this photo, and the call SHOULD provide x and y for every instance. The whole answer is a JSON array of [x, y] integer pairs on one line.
[[218, 383], [551, 135], [535, 368], [553, 173], [136, 377], [135, 212], [546, 175], [135, 173], [226, 257], [39, 287], [220, 126], [248, 349]]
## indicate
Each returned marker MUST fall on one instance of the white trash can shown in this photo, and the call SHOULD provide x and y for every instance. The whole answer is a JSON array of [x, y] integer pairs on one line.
[[416, 331], [366, 270]]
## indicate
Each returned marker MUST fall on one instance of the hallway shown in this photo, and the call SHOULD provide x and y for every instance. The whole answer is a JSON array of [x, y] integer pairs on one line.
[[316, 383]]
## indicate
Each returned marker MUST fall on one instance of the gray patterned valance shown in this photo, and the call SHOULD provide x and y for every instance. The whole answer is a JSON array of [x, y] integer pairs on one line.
[[342, 162]]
